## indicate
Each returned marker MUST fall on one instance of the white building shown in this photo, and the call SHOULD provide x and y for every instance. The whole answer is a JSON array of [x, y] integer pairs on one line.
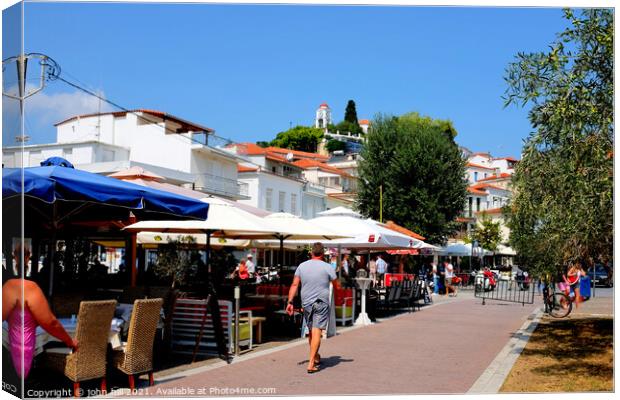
[[183, 152], [489, 190], [275, 183], [340, 186]]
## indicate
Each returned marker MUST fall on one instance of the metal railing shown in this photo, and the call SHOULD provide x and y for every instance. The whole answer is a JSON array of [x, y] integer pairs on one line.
[[512, 291], [315, 188], [219, 185]]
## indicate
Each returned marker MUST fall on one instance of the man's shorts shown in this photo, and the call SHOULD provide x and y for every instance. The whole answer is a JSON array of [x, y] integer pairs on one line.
[[317, 315]]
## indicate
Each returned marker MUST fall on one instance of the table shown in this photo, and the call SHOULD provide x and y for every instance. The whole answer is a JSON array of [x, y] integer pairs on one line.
[[260, 309], [267, 296], [43, 338], [257, 322], [123, 311]]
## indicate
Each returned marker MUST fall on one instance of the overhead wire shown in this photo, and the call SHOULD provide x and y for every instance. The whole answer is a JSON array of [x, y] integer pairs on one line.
[[149, 121]]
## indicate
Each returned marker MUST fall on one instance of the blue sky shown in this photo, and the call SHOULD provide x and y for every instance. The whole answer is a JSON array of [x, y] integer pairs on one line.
[[250, 71]]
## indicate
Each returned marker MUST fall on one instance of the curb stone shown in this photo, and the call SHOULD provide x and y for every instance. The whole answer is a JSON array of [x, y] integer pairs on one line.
[[494, 376]]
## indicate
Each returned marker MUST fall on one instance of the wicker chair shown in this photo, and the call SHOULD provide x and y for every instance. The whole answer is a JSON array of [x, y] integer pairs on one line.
[[92, 333], [136, 356]]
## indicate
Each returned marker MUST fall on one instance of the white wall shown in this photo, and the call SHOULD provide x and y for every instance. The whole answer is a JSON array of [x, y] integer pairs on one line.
[[307, 205], [479, 159], [76, 153], [482, 173]]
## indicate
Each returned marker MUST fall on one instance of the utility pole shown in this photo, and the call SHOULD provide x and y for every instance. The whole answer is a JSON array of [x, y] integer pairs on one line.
[[49, 70]]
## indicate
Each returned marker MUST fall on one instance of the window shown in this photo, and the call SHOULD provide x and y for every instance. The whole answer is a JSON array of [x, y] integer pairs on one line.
[[268, 198], [471, 206], [478, 204], [281, 201], [475, 176], [337, 181], [293, 204], [67, 154]]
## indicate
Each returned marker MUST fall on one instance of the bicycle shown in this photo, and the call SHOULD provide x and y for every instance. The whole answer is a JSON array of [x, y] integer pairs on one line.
[[557, 304]]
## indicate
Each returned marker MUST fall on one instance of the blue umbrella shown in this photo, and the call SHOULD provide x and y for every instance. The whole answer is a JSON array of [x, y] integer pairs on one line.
[[58, 192], [55, 182]]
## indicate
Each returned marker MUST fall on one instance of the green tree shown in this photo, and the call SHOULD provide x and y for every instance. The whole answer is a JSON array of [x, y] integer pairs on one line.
[[563, 205], [335, 145], [422, 172], [300, 138], [488, 234], [177, 261], [350, 113], [346, 126]]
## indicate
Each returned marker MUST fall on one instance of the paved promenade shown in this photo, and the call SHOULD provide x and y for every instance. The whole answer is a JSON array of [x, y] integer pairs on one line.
[[410, 354]]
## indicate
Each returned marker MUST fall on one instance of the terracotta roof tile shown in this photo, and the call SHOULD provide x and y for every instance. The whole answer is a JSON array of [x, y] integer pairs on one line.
[[490, 211], [244, 168], [297, 153], [486, 185], [306, 164], [507, 159], [503, 175], [185, 124], [401, 229], [473, 165]]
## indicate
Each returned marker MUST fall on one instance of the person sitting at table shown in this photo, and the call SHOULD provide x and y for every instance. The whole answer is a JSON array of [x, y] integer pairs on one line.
[[241, 272], [31, 310]]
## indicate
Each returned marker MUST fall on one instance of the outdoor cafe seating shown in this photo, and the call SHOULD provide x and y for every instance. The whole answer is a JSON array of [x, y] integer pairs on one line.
[[136, 355], [92, 333], [344, 302], [98, 326]]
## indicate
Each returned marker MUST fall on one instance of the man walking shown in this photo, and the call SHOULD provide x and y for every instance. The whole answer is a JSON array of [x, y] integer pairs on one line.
[[314, 276]]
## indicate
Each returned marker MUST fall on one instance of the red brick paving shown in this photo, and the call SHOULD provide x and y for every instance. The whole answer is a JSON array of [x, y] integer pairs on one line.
[[442, 349]]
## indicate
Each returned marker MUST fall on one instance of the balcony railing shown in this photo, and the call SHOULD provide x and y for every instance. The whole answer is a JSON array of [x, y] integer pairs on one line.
[[314, 188], [219, 185]]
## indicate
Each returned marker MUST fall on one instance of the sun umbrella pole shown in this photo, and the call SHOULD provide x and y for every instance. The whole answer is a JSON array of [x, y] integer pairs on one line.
[[339, 262], [208, 259], [281, 261], [52, 251]]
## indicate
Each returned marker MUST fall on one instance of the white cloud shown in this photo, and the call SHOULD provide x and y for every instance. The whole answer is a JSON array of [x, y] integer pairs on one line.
[[44, 110]]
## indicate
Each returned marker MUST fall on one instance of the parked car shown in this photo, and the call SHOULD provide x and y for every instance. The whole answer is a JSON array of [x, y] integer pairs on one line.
[[602, 276]]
